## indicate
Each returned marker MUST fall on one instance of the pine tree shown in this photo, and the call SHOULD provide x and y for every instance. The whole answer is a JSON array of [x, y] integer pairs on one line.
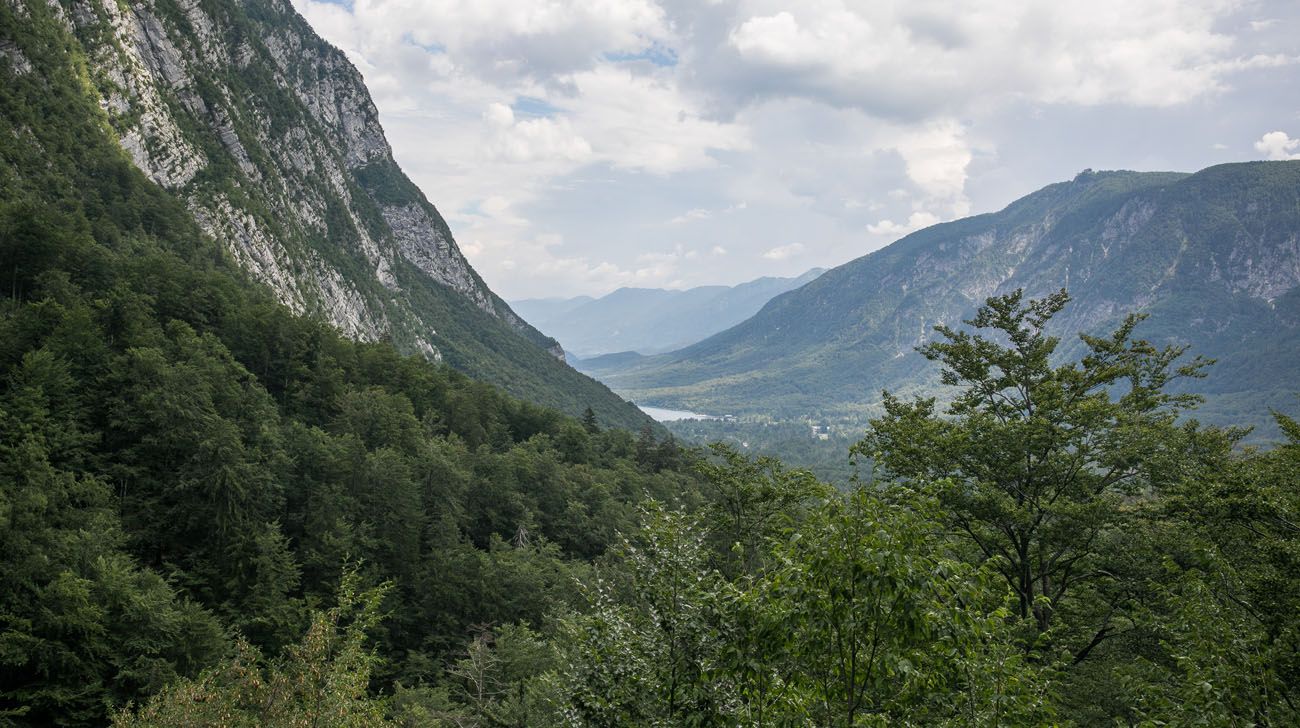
[[646, 448]]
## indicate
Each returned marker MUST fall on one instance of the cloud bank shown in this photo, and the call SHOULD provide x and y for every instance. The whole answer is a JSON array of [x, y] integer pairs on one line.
[[577, 146]]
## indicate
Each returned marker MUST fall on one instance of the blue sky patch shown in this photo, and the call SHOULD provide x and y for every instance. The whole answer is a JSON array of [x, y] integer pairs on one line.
[[430, 48], [531, 106], [658, 54]]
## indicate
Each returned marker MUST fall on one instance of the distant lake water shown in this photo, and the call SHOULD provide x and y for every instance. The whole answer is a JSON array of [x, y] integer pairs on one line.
[[671, 415]]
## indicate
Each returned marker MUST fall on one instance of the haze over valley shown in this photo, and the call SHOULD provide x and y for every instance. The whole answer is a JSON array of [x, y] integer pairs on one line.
[[651, 321]]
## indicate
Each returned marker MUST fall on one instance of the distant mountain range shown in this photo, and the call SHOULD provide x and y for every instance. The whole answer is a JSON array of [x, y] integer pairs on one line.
[[1213, 258], [650, 320]]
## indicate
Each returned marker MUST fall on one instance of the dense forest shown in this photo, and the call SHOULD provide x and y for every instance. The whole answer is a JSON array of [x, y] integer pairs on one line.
[[187, 470], [793, 442], [216, 513]]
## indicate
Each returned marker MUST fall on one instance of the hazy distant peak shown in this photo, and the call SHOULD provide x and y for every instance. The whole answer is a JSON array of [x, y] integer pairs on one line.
[[651, 320]]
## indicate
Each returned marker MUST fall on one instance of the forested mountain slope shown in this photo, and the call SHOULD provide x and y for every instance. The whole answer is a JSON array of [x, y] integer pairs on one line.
[[269, 138], [186, 463], [215, 512], [1213, 258], [652, 320]]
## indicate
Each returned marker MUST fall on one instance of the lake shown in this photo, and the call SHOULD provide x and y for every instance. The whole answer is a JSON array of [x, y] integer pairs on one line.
[[671, 415]]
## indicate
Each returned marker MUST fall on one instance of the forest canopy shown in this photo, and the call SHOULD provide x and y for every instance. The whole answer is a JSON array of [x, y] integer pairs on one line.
[[216, 512]]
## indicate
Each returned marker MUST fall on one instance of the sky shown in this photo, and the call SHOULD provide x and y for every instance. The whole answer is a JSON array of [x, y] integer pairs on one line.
[[578, 146]]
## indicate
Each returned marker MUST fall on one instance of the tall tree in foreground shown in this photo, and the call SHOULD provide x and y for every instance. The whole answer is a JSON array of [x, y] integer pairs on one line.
[[885, 627], [750, 501], [1231, 617], [1033, 461], [861, 617]]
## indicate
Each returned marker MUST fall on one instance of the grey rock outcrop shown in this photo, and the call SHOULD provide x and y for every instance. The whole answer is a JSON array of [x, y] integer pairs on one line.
[[270, 136]]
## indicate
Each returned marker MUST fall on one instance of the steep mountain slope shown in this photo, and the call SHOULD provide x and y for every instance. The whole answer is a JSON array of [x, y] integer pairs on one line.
[[651, 320], [1213, 258], [186, 464], [269, 137]]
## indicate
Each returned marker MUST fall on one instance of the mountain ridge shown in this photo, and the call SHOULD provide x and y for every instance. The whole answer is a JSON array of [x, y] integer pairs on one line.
[[269, 137], [1212, 257], [652, 320]]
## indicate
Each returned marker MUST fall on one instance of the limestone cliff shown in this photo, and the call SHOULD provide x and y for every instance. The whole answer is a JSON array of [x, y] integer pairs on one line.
[[270, 138]]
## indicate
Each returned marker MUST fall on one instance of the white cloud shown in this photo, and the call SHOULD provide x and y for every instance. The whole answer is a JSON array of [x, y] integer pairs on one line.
[[645, 122], [488, 102], [549, 270], [502, 39], [698, 213], [915, 221], [529, 140], [784, 251], [1278, 145], [937, 156], [918, 58], [844, 121]]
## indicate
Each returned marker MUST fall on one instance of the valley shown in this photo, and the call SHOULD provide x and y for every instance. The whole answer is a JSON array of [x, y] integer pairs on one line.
[[670, 415], [1210, 259], [962, 448], [651, 321]]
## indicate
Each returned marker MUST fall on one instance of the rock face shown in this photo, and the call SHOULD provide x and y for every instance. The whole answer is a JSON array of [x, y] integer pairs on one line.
[[1212, 258], [270, 138]]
